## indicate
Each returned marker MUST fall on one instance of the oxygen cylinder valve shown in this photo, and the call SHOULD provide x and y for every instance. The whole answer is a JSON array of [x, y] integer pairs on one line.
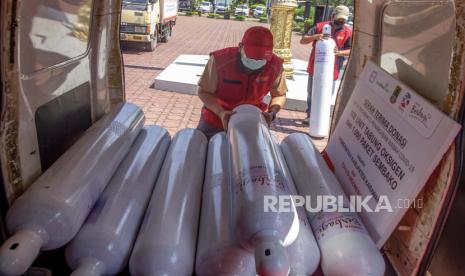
[[271, 259], [326, 30]]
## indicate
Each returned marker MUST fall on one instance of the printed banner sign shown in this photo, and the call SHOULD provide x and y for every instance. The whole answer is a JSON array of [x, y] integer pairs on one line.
[[386, 145]]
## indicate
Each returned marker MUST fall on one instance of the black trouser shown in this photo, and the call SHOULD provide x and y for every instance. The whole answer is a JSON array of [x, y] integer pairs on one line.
[[208, 129], [309, 94]]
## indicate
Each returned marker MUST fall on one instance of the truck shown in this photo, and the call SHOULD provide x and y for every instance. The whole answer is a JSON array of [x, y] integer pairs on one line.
[[147, 22], [61, 70]]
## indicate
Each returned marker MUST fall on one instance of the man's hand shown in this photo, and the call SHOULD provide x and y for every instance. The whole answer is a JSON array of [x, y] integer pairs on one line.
[[306, 39], [225, 115], [268, 117], [338, 52], [320, 37], [341, 53]]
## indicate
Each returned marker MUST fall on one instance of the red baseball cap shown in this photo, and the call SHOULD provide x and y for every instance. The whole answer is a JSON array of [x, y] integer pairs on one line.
[[258, 43]]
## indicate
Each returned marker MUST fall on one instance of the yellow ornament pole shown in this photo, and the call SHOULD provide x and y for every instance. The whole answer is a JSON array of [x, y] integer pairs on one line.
[[282, 17]]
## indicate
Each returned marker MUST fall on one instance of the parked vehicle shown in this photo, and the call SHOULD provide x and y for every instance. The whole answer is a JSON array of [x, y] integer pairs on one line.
[[147, 21], [221, 8], [259, 11], [242, 10], [206, 7], [184, 5]]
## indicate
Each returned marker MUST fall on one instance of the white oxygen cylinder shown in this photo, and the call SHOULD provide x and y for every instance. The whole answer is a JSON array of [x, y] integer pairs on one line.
[[304, 253], [166, 242], [49, 214], [346, 247], [257, 172], [104, 243], [217, 251], [337, 84], [322, 87]]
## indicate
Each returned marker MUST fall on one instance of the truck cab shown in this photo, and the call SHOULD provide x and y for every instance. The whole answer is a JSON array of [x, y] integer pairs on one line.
[[62, 70], [147, 22]]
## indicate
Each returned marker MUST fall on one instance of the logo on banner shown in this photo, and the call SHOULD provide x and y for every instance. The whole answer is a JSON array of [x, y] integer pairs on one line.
[[420, 114], [395, 94], [405, 101], [373, 76]]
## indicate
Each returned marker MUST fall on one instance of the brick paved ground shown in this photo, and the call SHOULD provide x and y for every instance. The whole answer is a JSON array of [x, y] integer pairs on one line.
[[193, 35]]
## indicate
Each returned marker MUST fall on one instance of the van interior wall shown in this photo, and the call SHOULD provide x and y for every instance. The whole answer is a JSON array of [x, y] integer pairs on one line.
[[97, 72], [107, 17], [446, 253], [9, 109], [3, 201], [408, 250], [85, 58]]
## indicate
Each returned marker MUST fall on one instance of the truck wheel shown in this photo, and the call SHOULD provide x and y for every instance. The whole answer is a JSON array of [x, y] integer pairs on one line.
[[167, 34], [151, 45], [165, 37]]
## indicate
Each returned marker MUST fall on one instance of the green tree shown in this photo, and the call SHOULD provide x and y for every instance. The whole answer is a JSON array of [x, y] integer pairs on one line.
[[257, 2], [249, 2]]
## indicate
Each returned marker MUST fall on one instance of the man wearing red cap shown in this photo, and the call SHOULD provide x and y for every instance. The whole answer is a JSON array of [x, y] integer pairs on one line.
[[241, 75], [342, 35]]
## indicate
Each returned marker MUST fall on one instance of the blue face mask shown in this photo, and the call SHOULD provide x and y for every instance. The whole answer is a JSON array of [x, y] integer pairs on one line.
[[253, 64]]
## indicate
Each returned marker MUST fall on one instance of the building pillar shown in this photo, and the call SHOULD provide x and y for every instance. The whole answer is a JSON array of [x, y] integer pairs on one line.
[[282, 17]]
